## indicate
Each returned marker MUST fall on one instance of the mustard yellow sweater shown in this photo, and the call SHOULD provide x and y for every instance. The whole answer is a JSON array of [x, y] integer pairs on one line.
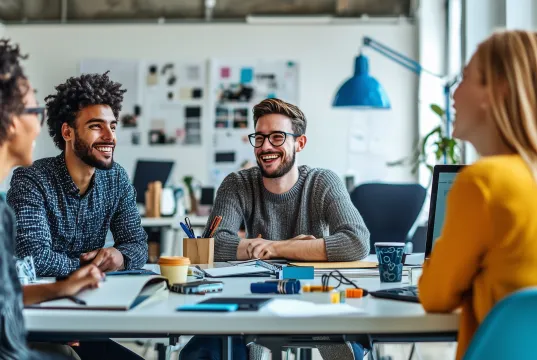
[[488, 245]]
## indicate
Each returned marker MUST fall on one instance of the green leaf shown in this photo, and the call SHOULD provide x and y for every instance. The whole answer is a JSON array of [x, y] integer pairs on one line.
[[438, 110], [439, 152]]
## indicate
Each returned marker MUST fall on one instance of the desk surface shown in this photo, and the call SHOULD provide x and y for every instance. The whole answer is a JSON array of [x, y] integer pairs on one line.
[[380, 316]]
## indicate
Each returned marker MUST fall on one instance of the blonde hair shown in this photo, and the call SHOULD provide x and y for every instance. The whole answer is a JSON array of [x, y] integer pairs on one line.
[[508, 64]]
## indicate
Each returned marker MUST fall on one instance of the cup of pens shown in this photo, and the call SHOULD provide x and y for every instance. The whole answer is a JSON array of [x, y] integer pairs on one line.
[[200, 250]]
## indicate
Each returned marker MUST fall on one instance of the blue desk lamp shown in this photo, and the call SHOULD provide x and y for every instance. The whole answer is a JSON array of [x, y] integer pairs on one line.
[[362, 91]]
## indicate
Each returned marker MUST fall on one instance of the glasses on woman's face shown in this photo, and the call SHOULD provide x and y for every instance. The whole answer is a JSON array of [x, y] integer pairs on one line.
[[39, 111], [276, 138]]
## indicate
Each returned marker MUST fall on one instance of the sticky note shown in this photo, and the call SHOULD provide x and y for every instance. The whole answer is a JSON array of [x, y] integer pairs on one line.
[[247, 74], [185, 93], [225, 72]]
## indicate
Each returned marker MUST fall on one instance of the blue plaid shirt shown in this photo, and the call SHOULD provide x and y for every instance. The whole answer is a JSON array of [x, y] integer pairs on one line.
[[55, 224]]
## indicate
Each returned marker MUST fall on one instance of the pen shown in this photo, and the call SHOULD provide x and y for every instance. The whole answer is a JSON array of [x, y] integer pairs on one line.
[[76, 300], [208, 231], [216, 224], [186, 230]]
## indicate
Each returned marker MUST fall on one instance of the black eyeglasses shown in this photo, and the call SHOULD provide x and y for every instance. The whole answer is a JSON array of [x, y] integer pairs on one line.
[[276, 138], [39, 111]]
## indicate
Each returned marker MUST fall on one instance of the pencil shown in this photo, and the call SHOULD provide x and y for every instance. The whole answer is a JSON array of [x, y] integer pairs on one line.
[[218, 221], [210, 229]]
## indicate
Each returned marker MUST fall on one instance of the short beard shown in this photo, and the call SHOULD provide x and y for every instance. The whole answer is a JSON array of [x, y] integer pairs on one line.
[[282, 170], [83, 152]]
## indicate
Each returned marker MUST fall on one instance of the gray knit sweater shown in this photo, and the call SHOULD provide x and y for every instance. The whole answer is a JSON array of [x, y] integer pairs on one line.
[[318, 204]]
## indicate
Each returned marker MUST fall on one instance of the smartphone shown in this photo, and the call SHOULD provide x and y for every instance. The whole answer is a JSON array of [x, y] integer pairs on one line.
[[243, 304], [198, 287], [209, 307]]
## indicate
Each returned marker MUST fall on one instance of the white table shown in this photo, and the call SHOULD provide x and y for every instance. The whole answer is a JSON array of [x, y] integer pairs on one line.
[[383, 319]]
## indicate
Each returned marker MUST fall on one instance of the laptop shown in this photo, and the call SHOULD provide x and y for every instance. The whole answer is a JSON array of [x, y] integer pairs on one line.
[[443, 178], [147, 171]]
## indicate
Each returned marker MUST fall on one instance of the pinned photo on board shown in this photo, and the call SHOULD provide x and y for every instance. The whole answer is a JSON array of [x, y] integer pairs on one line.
[[235, 93], [135, 138], [128, 121], [222, 118], [197, 93], [157, 137], [240, 118], [167, 71], [152, 75]]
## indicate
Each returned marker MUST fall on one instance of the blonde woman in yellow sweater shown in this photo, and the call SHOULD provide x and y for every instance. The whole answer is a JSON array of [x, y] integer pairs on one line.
[[488, 246]]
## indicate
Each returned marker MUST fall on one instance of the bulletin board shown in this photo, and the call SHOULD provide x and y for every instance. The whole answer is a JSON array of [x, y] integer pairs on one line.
[[165, 101], [174, 95], [236, 86]]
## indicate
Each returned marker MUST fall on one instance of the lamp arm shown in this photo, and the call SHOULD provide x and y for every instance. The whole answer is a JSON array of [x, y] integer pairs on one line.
[[399, 58]]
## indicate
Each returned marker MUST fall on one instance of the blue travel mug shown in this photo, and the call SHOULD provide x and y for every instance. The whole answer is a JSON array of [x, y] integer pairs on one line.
[[390, 257]]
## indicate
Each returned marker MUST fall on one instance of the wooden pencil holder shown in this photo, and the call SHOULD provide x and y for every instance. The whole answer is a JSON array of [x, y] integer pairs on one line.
[[199, 251]]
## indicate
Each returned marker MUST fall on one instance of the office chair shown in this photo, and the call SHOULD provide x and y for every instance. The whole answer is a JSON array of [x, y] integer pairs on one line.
[[509, 331], [389, 210]]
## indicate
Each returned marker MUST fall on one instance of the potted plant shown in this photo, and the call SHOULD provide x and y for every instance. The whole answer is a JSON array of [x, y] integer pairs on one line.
[[188, 180], [436, 142]]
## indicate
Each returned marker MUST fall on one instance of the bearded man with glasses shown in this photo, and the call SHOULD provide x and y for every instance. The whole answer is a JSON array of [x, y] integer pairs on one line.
[[289, 211]]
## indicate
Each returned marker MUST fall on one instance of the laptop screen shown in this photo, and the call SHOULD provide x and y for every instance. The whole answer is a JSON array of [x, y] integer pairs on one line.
[[445, 180]]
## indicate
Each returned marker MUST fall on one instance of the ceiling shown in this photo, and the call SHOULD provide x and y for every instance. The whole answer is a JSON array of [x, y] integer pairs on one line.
[[17, 11]]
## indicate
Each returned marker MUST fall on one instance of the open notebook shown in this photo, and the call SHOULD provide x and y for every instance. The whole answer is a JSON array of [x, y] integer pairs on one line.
[[121, 292]]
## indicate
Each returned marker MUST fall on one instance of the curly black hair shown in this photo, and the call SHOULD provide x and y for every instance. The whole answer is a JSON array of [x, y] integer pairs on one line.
[[12, 90], [74, 95]]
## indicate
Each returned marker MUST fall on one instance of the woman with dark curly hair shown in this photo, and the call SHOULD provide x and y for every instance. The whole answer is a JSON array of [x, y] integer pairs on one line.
[[20, 123]]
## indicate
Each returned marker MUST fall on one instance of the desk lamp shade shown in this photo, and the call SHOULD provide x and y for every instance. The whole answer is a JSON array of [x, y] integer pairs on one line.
[[362, 90]]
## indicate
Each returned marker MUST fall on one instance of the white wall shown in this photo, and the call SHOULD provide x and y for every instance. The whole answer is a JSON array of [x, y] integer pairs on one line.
[[483, 17], [432, 56], [325, 54]]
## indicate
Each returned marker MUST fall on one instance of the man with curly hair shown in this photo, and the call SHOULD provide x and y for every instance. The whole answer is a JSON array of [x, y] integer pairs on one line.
[[65, 205]]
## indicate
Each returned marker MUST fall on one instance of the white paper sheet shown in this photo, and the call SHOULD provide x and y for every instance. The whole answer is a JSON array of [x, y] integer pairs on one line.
[[235, 271], [299, 308]]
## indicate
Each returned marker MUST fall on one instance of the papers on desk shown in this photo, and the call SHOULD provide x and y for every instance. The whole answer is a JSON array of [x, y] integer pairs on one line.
[[120, 292], [339, 265], [237, 270], [299, 308]]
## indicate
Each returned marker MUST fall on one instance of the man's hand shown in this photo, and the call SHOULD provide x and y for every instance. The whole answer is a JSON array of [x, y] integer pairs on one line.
[[267, 249], [87, 277], [106, 259], [261, 249]]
